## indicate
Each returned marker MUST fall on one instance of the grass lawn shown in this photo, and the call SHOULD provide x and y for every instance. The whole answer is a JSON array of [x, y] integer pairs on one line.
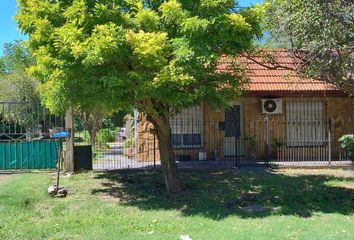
[[295, 204]]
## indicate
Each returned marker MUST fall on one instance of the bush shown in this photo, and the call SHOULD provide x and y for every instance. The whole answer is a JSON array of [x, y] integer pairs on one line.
[[347, 143], [82, 137], [105, 136], [129, 143], [117, 130]]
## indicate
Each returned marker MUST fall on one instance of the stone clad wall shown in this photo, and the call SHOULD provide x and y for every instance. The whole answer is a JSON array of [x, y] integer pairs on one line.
[[147, 142], [341, 112]]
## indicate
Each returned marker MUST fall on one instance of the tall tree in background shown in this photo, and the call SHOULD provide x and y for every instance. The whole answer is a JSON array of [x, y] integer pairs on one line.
[[321, 33], [19, 89], [15, 83], [18, 86], [156, 56], [15, 56]]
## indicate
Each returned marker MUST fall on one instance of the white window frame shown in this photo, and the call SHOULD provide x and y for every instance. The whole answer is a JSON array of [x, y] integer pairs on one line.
[[189, 121], [305, 123]]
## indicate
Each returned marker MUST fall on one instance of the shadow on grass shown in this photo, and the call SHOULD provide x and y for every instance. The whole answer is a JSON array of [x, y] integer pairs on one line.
[[219, 194]]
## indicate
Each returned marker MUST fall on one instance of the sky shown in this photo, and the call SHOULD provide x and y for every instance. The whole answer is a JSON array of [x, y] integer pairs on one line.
[[10, 32]]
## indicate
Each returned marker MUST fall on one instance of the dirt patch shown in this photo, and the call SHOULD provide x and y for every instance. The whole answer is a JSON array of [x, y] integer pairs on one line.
[[5, 176], [349, 186], [341, 173], [43, 207]]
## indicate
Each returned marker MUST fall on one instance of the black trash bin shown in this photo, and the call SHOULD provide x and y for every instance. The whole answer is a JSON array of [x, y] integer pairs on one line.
[[83, 157]]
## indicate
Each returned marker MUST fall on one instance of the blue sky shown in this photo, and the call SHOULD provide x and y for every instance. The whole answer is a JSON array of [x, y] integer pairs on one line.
[[10, 32]]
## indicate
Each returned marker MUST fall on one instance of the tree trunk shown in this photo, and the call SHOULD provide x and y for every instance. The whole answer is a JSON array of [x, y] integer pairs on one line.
[[93, 122], [69, 151], [169, 167], [93, 135]]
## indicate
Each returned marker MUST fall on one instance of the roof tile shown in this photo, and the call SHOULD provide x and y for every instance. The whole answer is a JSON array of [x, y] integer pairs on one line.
[[281, 79]]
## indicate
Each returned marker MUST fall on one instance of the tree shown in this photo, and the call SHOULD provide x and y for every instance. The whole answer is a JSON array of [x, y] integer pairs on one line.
[[18, 87], [321, 35], [16, 84], [93, 119], [16, 56], [156, 56]]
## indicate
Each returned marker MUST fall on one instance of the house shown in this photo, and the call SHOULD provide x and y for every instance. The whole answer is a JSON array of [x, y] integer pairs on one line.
[[281, 116]]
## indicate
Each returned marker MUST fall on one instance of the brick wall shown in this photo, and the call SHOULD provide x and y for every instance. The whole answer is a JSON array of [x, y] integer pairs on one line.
[[340, 110]]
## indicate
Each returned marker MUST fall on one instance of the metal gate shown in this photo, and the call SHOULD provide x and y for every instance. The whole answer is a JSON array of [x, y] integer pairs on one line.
[[24, 136], [113, 142]]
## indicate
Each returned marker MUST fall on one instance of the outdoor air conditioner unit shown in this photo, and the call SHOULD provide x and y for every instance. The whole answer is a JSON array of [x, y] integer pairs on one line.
[[271, 106]]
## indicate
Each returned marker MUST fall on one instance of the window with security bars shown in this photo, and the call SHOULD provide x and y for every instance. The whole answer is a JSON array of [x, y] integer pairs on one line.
[[305, 123], [186, 128]]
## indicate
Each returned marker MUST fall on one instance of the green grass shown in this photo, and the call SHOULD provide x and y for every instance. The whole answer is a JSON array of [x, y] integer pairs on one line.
[[301, 204]]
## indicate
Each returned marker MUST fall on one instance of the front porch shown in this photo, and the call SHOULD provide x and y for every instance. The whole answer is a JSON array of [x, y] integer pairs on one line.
[[304, 133]]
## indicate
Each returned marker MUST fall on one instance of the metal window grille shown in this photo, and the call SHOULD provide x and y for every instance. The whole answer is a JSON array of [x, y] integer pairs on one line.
[[304, 123]]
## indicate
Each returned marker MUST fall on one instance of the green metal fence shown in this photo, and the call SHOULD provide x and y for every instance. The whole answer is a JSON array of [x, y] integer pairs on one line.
[[34, 154]]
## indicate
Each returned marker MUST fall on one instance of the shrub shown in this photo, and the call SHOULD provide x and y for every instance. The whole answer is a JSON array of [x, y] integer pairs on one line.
[[105, 136], [82, 137], [129, 143], [347, 143]]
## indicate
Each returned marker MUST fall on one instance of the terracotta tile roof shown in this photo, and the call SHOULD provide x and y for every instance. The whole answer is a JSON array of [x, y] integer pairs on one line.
[[280, 79]]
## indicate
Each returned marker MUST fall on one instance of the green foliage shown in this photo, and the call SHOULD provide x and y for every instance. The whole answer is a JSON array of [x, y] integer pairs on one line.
[[118, 118], [79, 123], [108, 123], [347, 143], [252, 142], [82, 137], [322, 34], [2, 67], [129, 143], [15, 83], [17, 86], [15, 57], [152, 55], [105, 135]]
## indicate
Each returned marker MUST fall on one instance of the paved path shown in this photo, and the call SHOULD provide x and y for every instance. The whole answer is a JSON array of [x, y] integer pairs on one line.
[[114, 158]]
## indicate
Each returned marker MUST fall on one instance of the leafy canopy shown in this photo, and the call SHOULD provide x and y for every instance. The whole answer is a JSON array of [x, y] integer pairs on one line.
[[15, 57], [17, 86], [15, 83], [153, 55], [322, 33]]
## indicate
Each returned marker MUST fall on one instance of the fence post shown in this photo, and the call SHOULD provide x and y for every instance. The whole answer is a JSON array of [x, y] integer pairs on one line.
[[266, 140], [69, 151], [329, 141]]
